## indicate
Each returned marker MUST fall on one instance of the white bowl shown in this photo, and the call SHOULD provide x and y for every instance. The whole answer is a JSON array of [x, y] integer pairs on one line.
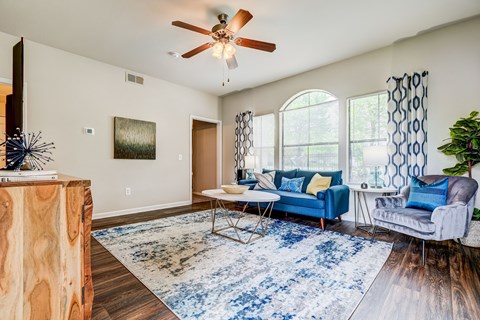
[[234, 188]]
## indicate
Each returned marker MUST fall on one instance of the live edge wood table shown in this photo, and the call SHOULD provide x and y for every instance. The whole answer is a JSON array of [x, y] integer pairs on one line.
[[233, 219], [45, 249]]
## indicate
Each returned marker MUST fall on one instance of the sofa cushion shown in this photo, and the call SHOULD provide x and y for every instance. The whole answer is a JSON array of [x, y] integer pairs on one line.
[[292, 185], [318, 183], [265, 181], [336, 177], [427, 196], [416, 219], [298, 199], [281, 173]]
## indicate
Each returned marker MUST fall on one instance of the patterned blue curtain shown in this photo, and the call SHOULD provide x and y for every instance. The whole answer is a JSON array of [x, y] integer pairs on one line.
[[243, 138], [407, 128]]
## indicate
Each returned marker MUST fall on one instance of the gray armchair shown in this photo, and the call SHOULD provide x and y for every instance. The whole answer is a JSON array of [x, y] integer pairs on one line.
[[447, 222]]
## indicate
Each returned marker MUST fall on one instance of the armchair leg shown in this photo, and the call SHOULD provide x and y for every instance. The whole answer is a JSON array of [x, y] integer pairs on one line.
[[373, 233], [339, 218], [322, 223], [461, 246], [423, 253]]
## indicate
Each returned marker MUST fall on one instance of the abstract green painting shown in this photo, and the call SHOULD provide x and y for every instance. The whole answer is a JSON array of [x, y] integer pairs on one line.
[[134, 139]]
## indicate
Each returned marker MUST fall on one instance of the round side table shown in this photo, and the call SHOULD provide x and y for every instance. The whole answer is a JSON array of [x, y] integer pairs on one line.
[[361, 207]]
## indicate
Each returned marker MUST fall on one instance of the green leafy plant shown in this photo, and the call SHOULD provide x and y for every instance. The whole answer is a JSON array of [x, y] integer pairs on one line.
[[476, 214], [465, 146]]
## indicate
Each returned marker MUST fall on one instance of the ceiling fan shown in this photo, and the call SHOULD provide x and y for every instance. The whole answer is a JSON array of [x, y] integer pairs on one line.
[[223, 35]]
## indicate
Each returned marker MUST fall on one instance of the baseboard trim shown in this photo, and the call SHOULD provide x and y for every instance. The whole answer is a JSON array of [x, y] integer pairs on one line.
[[108, 214]]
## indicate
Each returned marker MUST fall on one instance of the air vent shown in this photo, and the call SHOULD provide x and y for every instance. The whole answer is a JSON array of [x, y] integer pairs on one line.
[[132, 78]]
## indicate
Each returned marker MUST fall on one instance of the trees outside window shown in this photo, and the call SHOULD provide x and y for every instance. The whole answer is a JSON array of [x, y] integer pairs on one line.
[[310, 124], [367, 126]]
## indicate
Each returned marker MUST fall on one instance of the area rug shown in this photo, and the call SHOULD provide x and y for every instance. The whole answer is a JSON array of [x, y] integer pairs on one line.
[[294, 272]]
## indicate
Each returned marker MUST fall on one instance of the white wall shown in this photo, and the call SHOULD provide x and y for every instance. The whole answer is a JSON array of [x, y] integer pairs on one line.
[[451, 55], [67, 92]]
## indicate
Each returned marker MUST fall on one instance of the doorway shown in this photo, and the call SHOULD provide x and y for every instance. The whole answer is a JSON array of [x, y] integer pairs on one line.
[[5, 95], [205, 157]]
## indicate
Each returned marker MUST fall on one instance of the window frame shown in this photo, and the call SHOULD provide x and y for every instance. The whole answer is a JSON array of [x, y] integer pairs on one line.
[[281, 139], [348, 136], [272, 114]]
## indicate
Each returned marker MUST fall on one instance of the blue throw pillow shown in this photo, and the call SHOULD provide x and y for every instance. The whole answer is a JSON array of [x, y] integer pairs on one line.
[[292, 185], [281, 173], [427, 196]]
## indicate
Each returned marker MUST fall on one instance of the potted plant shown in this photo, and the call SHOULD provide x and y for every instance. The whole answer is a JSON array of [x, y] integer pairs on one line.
[[465, 146]]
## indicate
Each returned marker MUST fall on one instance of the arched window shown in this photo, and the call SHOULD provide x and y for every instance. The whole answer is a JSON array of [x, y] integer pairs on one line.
[[309, 137]]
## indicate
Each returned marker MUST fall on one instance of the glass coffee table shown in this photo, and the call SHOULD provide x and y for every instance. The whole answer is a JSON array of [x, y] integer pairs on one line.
[[241, 234]]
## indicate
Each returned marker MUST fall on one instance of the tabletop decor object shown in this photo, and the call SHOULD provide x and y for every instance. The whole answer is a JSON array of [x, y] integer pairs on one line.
[[376, 157], [250, 166], [27, 150], [234, 188]]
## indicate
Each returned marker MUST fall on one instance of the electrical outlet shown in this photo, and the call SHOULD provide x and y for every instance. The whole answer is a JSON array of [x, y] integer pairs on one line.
[[128, 191]]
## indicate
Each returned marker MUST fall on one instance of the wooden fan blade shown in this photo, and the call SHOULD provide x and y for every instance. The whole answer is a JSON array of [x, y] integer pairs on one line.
[[232, 63], [187, 26], [238, 21], [197, 50], [255, 44]]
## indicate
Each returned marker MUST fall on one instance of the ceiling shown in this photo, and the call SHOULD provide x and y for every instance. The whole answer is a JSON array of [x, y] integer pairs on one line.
[[137, 34]]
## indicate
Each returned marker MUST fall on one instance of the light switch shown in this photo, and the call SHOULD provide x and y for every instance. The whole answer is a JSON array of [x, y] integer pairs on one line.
[[180, 157]]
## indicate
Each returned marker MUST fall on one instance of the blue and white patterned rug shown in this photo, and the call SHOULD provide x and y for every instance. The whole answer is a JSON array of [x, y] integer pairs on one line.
[[295, 272]]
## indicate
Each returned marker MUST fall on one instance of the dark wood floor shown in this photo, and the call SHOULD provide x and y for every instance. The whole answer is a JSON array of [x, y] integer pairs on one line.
[[447, 288]]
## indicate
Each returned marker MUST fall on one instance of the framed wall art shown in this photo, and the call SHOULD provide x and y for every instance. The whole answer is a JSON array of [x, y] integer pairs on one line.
[[134, 139]]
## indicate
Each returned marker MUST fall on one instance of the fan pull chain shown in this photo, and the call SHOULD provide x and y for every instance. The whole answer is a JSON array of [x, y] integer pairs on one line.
[[223, 76], [228, 75]]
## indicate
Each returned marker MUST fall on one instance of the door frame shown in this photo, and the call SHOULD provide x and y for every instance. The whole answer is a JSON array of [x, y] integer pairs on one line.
[[9, 82], [219, 149]]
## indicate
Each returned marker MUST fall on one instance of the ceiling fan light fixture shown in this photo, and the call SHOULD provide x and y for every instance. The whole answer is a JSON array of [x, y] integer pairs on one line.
[[228, 51], [217, 50]]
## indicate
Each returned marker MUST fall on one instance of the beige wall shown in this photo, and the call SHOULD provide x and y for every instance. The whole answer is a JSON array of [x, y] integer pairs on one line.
[[67, 92], [451, 55], [204, 156]]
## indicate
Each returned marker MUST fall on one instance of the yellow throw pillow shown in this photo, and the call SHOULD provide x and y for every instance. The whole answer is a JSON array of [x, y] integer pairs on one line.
[[318, 183]]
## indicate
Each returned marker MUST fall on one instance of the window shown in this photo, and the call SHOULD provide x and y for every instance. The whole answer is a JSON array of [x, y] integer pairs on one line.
[[264, 140], [367, 117], [310, 132]]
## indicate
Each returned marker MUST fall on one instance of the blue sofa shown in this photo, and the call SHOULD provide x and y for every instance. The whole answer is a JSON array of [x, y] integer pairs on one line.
[[327, 204]]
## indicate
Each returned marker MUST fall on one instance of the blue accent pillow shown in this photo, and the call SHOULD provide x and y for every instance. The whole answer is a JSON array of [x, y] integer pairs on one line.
[[281, 173], [292, 185], [427, 196]]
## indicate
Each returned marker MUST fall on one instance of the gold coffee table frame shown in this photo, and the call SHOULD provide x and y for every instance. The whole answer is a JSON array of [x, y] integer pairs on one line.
[[219, 197]]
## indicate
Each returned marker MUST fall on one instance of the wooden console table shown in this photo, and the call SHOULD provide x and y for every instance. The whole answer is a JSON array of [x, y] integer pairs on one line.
[[45, 249]]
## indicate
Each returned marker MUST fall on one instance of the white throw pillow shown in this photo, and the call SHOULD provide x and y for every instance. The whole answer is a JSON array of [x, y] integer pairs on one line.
[[265, 181]]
